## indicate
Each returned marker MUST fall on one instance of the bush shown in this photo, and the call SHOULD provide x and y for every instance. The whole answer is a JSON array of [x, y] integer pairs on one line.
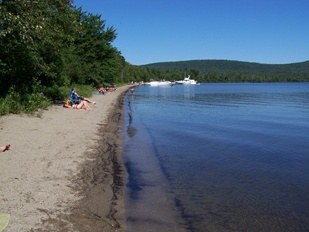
[[15, 103], [33, 102], [10, 104], [56, 93]]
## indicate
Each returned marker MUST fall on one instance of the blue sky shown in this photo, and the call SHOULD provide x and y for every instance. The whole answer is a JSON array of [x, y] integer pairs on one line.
[[263, 31]]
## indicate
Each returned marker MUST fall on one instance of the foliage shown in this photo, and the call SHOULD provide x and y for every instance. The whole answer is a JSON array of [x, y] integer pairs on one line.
[[32, 34], [91, 58], [49, 45], [231, 71], [16, 103]]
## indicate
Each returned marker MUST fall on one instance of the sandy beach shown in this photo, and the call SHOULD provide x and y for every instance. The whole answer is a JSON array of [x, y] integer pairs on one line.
[[64, 170]]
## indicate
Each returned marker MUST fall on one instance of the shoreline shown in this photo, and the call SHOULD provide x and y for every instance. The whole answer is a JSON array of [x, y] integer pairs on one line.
[[106, 168], [64, 170]]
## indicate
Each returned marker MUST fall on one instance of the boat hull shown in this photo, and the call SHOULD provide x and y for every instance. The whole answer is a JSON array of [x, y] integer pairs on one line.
[[159, 83], [187, 81]]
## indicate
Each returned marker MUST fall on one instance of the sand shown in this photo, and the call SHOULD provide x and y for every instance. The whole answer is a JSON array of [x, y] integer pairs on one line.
[[64, 170]]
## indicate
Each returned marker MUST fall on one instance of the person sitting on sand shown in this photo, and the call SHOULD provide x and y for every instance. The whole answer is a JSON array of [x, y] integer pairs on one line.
[[5, 147], [83, 105], [78, 98], [113, 87]]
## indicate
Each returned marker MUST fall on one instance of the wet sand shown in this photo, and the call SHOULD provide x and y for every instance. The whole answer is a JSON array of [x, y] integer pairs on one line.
[[64, 170], [151, 205]]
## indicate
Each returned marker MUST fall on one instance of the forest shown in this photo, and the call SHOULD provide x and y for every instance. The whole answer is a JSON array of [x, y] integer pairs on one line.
[[50, 46], [232, 71]]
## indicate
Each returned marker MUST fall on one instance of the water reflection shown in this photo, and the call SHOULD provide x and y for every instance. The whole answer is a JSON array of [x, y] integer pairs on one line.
[[235, 155]]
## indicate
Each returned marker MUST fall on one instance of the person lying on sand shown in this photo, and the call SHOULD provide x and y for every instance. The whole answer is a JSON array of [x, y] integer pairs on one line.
[[83, 105], [5, 147]]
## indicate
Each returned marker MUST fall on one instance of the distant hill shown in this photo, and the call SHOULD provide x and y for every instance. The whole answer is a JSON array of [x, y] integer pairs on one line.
[[230, 66]]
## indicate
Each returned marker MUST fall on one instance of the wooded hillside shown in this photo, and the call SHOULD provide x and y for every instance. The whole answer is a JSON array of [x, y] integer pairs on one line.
[[234, 71], [231, 66]]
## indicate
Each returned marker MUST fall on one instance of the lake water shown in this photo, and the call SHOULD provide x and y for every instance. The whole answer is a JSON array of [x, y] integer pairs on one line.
[[218, 157]]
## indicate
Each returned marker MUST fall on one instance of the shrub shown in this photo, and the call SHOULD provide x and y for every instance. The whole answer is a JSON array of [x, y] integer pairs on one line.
[[16, 103]]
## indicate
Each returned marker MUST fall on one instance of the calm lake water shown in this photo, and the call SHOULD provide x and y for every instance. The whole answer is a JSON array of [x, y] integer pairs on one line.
[[218, 157]]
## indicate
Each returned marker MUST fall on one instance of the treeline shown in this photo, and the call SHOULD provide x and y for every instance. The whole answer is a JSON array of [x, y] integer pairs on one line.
[[46, 45], [231, 71]]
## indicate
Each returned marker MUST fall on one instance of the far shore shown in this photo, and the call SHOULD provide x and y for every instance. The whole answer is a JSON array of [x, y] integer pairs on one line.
[[64, 170]]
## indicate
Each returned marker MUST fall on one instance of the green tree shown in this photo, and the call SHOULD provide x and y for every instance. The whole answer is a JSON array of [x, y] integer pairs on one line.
[[32, 34], [92, 58]]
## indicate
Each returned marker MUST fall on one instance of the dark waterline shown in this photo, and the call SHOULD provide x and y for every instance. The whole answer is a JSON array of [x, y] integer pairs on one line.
[[226, 157]]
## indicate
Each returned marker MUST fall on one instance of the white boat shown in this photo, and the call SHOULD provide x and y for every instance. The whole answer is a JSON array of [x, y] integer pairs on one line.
[[187, 81], [159, 83]]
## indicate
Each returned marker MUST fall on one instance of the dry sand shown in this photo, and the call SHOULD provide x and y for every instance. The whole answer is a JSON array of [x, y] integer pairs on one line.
[[64, 170]]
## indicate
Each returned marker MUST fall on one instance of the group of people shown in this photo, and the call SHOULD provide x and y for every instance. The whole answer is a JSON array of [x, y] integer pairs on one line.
[[78, 102], [104, 89]]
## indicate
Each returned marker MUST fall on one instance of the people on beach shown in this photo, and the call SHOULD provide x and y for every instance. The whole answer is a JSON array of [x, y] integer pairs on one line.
[[5, 147], [76, 98], [102, 90], [132, 91], [113, 87], [83, 105]]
